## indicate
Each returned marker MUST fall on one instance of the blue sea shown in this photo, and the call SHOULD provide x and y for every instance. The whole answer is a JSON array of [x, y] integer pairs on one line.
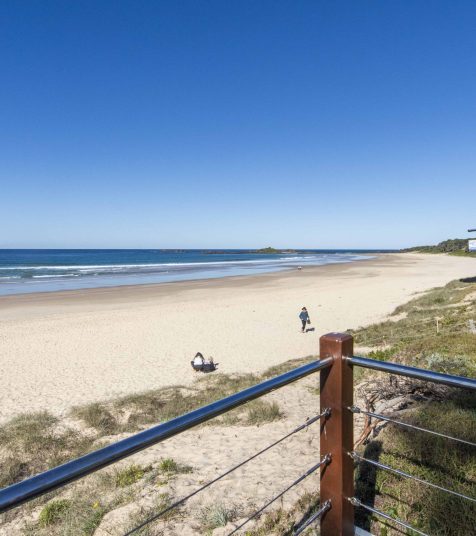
[[29, 270]]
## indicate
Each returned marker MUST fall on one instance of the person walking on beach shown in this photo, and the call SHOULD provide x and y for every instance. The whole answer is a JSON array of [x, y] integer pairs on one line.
[[304, 316]]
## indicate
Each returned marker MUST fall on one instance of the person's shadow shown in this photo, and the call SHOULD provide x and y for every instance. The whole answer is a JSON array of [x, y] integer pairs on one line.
[[310, 329]]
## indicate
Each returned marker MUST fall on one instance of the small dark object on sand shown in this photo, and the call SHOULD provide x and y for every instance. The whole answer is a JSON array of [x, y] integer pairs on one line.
[[199, 364]]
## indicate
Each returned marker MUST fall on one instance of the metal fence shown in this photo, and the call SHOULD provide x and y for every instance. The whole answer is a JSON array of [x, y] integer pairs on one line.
[[335, 462]]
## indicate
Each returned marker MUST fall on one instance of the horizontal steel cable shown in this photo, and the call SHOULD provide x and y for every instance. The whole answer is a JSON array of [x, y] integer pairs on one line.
[[313, 518], [326, 413], [355, 409], [356, 502], [324, 461], [356, 457]]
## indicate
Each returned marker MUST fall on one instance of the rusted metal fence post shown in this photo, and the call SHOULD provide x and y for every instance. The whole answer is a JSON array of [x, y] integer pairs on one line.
[[337, 435]]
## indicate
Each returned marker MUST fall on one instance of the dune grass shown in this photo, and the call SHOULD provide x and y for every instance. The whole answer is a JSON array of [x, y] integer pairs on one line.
[[162, 502], [216, 515], [134, 412], [79, 513], [82, 511], [130, 475], [97, 416], [53, 512], [446, 463], [34, 442], [412, 339], [415, 338], [261, 411], [282, 522]]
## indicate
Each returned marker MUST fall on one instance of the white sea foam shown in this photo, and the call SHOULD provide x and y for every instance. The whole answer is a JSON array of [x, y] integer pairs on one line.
[[82, 267], [47, 277], [52, 276]]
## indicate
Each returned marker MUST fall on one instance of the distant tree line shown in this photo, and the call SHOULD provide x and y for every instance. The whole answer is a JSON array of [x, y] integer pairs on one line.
[[457, 246]]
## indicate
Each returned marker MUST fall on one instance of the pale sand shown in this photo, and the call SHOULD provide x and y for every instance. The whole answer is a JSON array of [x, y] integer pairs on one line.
[[67, 348], [210, 451]]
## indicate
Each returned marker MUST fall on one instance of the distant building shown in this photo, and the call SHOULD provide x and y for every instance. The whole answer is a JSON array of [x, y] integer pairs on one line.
[[471, 243]]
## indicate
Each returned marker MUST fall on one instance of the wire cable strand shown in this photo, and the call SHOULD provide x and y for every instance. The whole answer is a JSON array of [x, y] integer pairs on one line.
[[324, 461], [356, 502], [355, 409], [326, 413], [355, 456], [313, 518]]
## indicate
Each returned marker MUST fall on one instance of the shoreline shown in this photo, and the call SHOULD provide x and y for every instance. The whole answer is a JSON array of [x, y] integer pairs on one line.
[[143, 288], [229, 269], [68, 348]]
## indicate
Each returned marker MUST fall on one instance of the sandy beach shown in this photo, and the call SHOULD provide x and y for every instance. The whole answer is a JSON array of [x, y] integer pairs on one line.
[[62, 349]]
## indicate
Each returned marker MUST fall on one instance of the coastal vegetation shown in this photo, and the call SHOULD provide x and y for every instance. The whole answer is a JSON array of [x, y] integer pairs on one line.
[[217, 515], [35, 442], [437, 460], [280, 521], [53, 512], [454, 246], [435, 330], [131, 413]]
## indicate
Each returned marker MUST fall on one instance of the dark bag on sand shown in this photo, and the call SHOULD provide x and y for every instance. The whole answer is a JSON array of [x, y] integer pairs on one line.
[[308, 320]]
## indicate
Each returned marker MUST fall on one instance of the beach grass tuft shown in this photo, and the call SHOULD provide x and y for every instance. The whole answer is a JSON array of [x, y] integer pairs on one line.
[[217, 515], [53, 512], [34, 442], [134, 412], [281, 522], [97, 416], [261, 411], [130, 475]]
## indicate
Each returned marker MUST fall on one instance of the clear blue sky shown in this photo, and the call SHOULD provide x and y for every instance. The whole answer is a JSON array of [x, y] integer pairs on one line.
[[237, 123]]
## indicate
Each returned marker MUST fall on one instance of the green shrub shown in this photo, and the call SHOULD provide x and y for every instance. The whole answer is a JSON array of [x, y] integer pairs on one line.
[[129, 475], [456, 365], [53, 512], [381, 355], [170, 467]]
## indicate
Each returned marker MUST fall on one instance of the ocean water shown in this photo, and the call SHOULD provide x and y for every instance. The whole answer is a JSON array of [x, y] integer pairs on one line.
[[30, 270]]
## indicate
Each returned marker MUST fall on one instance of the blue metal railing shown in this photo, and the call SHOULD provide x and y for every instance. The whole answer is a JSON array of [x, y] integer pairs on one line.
[[413, 372]]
